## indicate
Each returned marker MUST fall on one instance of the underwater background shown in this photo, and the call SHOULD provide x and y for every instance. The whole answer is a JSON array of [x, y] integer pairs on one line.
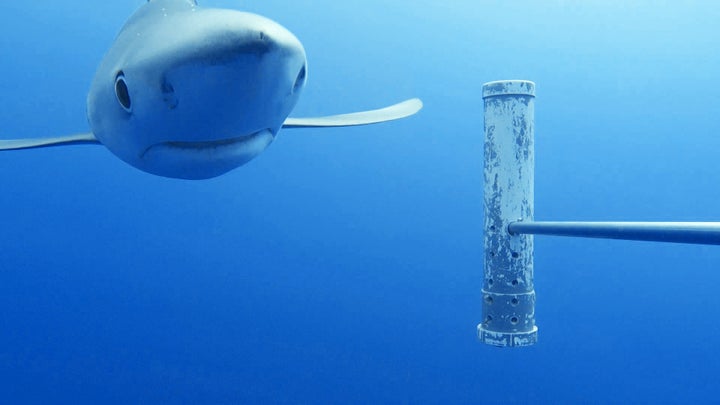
[[345, 265]]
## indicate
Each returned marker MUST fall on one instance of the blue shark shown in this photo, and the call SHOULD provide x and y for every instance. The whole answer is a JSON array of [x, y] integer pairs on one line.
[[192, 93]]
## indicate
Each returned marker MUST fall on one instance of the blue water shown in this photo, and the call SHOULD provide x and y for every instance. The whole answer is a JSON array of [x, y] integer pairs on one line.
[[345, 265]]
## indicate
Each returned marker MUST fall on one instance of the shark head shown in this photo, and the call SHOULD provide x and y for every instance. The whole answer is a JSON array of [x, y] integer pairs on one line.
[[192, 93]]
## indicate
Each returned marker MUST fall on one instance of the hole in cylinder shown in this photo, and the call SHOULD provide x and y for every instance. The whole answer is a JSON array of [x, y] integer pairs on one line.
[[514, 320], [514, 282], [490, 281], [489, 300], [515, 255], [514, 301]]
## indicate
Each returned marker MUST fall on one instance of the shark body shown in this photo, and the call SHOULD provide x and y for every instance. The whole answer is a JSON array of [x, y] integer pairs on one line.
[[190, 92]]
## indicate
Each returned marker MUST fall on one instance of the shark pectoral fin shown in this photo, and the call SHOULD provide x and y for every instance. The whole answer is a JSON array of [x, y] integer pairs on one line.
[[393, 112], [12, 144]]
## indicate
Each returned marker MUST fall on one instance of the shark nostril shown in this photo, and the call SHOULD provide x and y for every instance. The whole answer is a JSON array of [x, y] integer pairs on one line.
[[169, 97]]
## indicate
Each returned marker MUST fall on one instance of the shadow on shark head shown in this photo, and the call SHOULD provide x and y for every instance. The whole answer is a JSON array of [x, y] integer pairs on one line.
[[192, 93]]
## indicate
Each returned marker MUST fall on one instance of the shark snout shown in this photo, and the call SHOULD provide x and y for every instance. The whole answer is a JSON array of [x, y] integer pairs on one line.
[[239, 37]]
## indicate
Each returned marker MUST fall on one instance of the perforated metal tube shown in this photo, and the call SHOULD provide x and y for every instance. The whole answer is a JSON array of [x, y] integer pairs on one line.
[[508, 306]]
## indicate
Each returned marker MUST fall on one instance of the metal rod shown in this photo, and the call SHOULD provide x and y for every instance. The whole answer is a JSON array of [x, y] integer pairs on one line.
[[700, 233]]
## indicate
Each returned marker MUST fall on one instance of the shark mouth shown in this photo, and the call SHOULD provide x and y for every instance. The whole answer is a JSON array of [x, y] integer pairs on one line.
[[204, 159], [204, 147], [207, 144]]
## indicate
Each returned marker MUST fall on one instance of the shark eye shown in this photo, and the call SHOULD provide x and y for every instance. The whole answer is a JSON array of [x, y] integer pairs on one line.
[[122, 93], [300, 80]]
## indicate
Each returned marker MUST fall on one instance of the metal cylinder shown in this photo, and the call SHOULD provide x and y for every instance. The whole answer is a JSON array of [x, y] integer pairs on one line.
[[508, 305]]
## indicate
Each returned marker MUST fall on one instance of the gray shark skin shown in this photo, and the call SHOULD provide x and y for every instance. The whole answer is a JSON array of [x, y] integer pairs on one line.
[[191, 93]]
